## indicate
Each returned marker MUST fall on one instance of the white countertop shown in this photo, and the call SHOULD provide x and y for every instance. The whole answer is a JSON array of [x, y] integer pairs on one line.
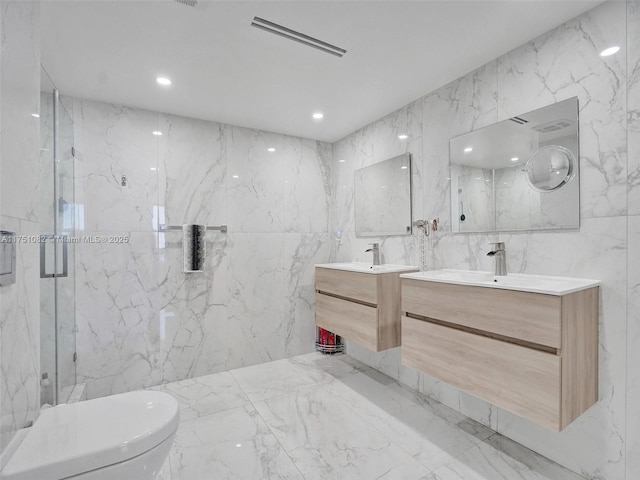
[[367, 267], [514, 281]]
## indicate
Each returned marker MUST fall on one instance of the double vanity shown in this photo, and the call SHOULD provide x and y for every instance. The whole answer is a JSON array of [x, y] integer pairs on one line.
[[526, 343]]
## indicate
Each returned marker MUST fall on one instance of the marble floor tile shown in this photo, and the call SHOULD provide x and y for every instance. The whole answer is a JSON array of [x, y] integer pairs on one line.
[[325, 439], [271, 379], [428, 431], [502, 459], [232, 445], [315, 417], [202, 396], [327, 368]]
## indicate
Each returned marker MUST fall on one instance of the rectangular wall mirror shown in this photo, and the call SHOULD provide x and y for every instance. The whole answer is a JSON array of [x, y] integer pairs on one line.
[[518, 174], [383, 198]]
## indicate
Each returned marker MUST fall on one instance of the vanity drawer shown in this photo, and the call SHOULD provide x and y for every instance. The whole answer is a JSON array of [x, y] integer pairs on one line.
[[353, 321], [519, 379], [361, 287], [531, 317]]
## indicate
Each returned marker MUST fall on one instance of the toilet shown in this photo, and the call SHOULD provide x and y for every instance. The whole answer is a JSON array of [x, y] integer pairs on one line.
[[121, 437]]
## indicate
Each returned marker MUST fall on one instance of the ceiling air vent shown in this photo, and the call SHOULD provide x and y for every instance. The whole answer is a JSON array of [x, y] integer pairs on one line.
[[191, 3], [518, 120], [285, 32]]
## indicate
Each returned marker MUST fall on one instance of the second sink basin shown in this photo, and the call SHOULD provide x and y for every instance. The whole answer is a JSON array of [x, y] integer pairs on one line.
[[526, 283]]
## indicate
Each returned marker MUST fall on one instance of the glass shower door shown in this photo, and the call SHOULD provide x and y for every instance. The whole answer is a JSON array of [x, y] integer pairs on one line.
[[57, 252]]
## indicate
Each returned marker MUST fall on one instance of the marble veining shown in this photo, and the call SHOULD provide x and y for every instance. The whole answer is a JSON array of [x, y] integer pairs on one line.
[[633, 355], [536, 74], [321, 417], [255, 188], [20, 91], [191, 170], [459, 107], [633, 105], [307, 186], [550, 72], [141, 320], [142, 323], [19, 162], [113, 141], [20, 333]]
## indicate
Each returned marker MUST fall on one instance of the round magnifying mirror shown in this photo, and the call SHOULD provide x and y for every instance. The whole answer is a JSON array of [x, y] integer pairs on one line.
[[550, 168]]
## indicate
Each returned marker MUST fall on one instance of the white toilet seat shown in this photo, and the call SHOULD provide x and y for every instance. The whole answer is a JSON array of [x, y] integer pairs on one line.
[[70, 440]]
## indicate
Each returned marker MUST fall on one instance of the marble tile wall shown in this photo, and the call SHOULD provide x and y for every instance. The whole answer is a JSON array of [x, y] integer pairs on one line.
[[560, 64], [633, 240], [141, 320], [19, 149]]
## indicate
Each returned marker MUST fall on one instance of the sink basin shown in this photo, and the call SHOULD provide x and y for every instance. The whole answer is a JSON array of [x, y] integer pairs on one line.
[[368, 268], [513, 281]]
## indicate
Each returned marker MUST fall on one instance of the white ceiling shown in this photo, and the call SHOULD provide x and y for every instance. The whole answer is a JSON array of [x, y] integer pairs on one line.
[[226, 71]]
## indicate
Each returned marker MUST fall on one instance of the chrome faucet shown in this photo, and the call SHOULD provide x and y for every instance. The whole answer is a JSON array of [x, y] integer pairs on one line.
[[500, 255], [375, 248]]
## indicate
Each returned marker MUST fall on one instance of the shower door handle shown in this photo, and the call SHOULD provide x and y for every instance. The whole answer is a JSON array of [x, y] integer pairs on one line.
[[50, 270]]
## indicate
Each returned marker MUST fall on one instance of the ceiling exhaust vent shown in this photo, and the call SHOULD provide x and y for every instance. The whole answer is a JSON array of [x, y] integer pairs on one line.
[[518, 120], [553, 126], [190, 3], [285, 32]]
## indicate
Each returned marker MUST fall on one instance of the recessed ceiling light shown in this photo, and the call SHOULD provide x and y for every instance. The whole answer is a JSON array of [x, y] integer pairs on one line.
[[153, 168], [341, 161], [164, 81], [157, 133], [271, 149], [515, 159], [468, 149], [403, 167], [35, 115], [235, 176], [403, 136], [609, 51], [318, 116]]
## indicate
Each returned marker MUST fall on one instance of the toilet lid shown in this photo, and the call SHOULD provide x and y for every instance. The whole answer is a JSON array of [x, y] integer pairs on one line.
[[72, 439]]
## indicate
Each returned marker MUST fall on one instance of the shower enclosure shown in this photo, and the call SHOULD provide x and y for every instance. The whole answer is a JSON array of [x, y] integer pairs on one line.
[[57, 252]]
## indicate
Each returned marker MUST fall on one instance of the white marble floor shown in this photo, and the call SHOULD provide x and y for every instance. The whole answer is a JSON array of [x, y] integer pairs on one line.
[[332, 417]]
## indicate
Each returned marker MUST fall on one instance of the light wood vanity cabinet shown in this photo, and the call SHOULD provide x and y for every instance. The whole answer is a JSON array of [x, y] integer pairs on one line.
[[361, 307], [533, 354]]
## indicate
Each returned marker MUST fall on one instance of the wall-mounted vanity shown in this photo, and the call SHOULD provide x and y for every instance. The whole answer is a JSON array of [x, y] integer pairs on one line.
[[526, 343], [360, 302]]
